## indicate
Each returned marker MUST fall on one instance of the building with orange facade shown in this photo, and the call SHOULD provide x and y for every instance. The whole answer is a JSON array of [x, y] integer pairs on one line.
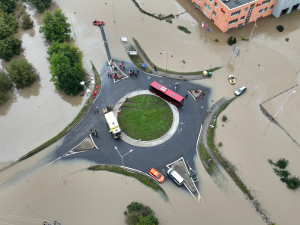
[[230, 14]]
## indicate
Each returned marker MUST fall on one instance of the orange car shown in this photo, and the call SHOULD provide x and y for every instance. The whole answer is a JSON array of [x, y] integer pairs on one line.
[[157, 175]]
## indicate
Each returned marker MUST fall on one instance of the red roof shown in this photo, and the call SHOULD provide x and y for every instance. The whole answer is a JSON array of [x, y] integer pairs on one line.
[[167, 91]]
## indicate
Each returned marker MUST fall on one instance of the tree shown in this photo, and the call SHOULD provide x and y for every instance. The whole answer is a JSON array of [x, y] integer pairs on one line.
[[8, 6], [231, 40], [66, 67], [9, 20], [5, 82], [5, 30], [139, 214], [27, 22], [56, 27], [10, 47], [40, 5], [22, 73]]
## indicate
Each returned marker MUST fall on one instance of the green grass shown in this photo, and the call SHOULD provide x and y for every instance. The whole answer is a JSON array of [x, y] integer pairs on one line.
[[137, 60], [225, 163], [143, 179], [169, 71], [70, 126], [205, 157], [145, 117]]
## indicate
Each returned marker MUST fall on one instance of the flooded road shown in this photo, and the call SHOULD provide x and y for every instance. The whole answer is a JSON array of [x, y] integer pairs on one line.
[[245, 143]]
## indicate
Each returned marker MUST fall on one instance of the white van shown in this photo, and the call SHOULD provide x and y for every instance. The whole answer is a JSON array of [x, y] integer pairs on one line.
[[175, 177]]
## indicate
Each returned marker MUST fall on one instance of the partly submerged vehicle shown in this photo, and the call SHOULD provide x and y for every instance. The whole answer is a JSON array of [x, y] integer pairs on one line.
[[240, 91], [231, 79]]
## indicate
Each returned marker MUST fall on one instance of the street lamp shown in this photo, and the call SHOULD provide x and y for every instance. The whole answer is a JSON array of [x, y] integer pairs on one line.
[[122, 156], [261, 77], [280, 108], [113, 10], [168, 53]]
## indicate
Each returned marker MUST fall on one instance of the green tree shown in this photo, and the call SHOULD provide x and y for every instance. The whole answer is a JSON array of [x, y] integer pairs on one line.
[[5, 82], [282, 163], [8, 20], [139, 214], [22, 73], [148, 220], [27, 22], [8, 5], [40, 5], [10, 47], [56, 27], [66, 67], [5, 30]]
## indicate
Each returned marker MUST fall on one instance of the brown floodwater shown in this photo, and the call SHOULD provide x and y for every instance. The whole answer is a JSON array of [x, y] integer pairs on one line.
[[245, 143]]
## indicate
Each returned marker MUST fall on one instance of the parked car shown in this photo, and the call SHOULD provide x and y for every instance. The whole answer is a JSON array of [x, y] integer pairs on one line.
[[156, 175], [240, 91]]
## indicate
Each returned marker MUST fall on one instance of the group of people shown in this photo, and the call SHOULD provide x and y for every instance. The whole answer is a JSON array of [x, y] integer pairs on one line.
[[94, 133], [134, 73]]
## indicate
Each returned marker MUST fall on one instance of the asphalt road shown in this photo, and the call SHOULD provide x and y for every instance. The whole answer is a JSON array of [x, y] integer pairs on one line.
[[182, 143]]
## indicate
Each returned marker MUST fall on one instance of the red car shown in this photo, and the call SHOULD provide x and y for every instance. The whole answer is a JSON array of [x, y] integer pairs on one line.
[[156, 175]]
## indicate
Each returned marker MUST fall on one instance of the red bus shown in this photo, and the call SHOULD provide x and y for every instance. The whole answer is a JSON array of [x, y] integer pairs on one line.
[[166, 94]]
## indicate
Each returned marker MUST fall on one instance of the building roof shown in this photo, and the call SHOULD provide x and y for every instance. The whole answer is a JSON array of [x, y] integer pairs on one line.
[[231, 4]]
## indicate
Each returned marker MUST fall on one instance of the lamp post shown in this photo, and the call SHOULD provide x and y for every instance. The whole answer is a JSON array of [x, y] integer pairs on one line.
[[113, 10], [261, 77], [122, 156], [168, 53], [280, 108]]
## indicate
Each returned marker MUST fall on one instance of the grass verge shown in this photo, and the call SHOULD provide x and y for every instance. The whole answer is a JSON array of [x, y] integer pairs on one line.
[[137, 60], [225, 163], [71, 125], [169, 71], [143, 179], [204, 156], [152, 112]]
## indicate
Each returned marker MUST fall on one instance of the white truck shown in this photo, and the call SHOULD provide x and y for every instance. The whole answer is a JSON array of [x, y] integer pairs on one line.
[[112, 122]]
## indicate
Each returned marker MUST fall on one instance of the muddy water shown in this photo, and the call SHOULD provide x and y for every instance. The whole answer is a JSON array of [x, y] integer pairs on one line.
[[26, 120], [243, 138], [56, 192]]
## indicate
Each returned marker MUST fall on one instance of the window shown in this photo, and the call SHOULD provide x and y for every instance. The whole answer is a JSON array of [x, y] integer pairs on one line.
[[207, 7], [271, 7], [241, 24], [199, 0], [216, 4], [232, 21], [262, 10], [245, 9], [235, 13], [214, 13], [242, 18], [265, 2], [210, 1]]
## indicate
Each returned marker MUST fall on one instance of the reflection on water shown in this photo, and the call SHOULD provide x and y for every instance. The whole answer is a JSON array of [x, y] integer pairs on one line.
[[33, 90], [4, 109]]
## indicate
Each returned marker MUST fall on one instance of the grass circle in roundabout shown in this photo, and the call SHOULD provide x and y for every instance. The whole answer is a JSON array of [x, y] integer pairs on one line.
[[145, 117]]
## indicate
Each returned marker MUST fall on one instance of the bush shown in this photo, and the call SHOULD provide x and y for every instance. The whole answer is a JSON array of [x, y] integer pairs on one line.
[[282, 163], [280, 28], [9, 47], [224, 118], [184, 29], [287, 39], [56, 27], [293, 183], [5, 82], [139, 214], [8, 6], [220, 144], [27, 22], [231, 40], [22, 73], [282, 173]]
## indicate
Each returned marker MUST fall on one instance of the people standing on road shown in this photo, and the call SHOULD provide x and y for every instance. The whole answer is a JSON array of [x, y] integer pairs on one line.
[[96, 134], [94, 111], [123, 67], [97, 109], [186, 96], [138, 72], [122, 62], [92, 132]]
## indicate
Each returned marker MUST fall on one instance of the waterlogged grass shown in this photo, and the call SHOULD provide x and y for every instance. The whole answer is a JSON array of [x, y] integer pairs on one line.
[[226, 164], [169, 71], [145, 117], [211, 165], [143, 179], [71, 125]]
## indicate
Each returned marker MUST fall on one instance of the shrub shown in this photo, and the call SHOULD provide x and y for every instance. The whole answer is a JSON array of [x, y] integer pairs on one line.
[[27, 22], [40, 5], [270, 161], [9, 47], [22, 73], [220, 144], [5, 82], [184, 29], [139, 214], [216, 40], [224, 118], [282, 173], [287, 39], [293, 182], [282, 163], [280, 28], [231, 40]]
